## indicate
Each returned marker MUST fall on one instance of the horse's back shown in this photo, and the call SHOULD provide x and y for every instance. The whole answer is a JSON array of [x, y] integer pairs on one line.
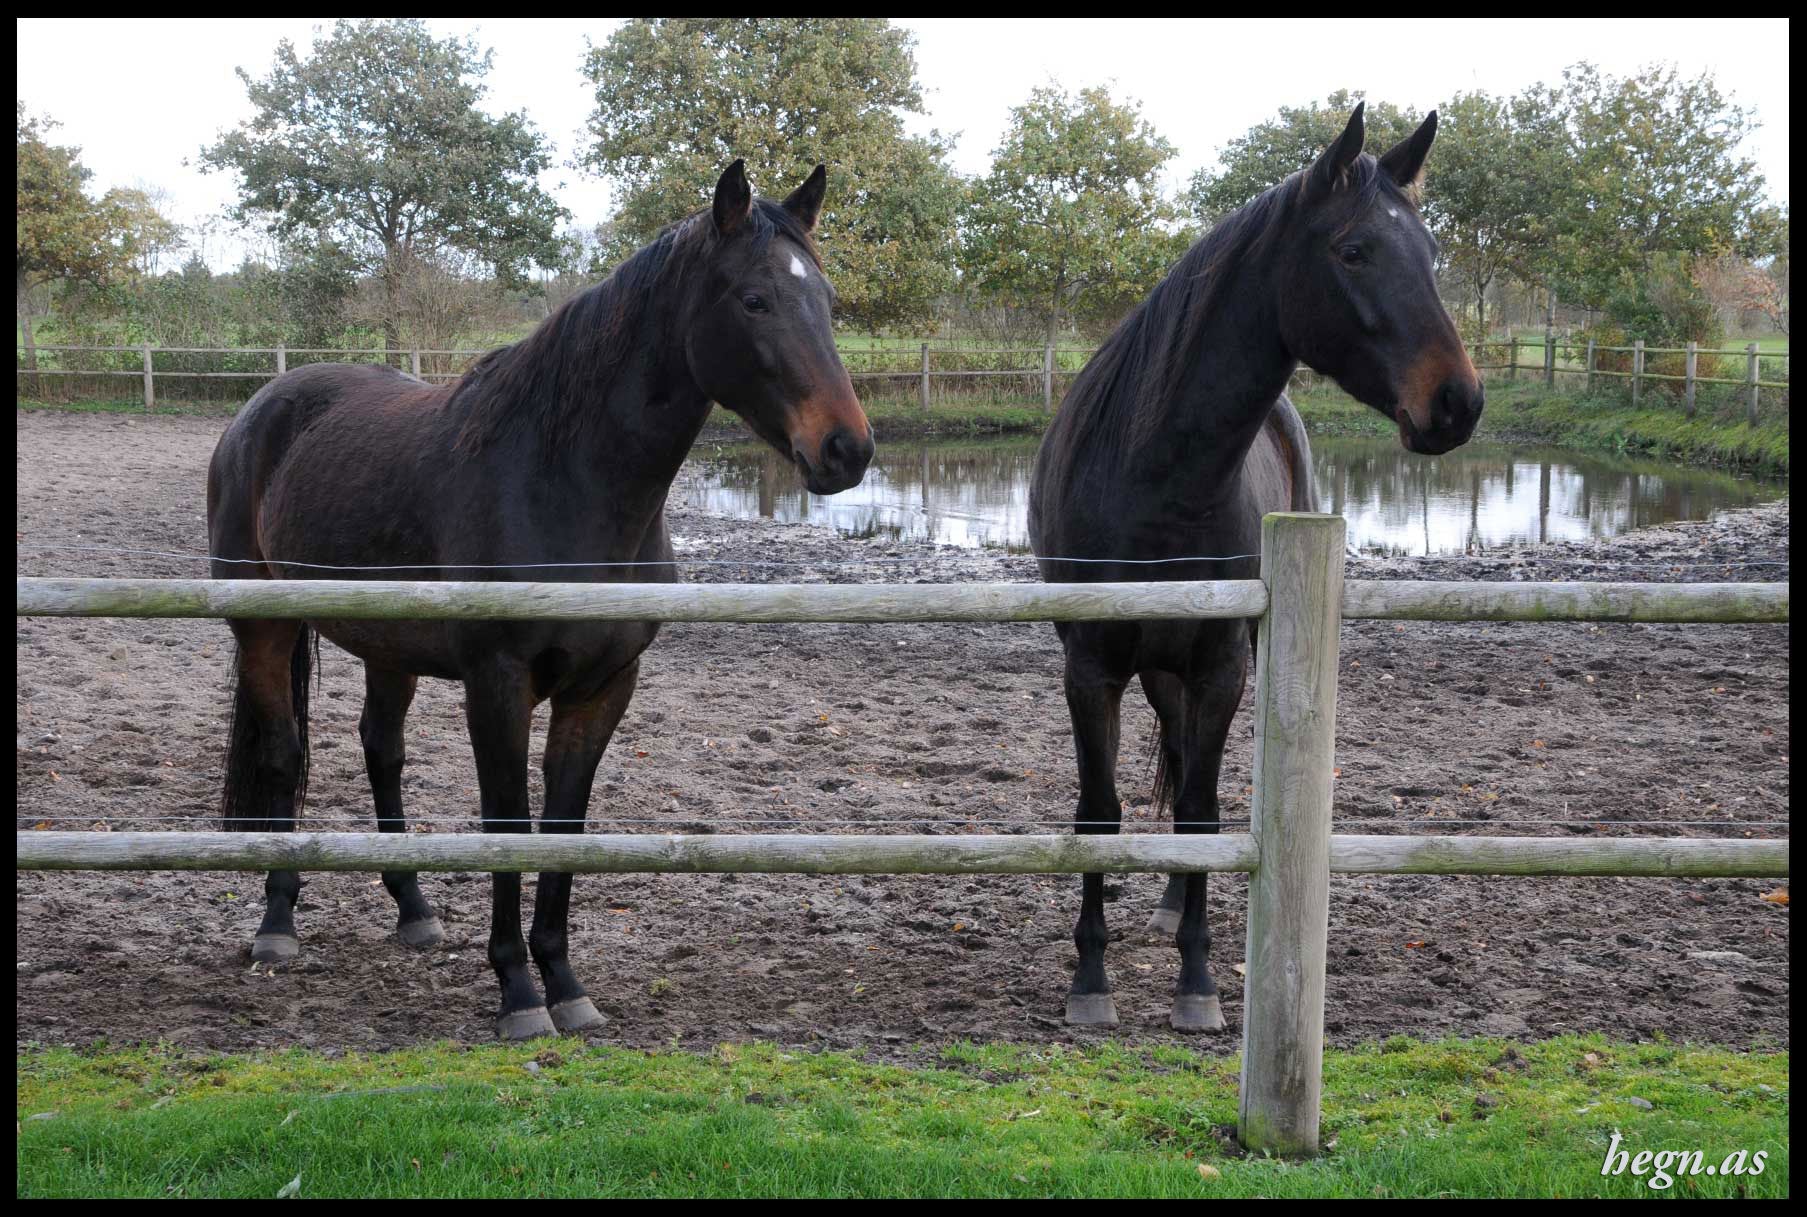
[[1278, 467], [250, 456]]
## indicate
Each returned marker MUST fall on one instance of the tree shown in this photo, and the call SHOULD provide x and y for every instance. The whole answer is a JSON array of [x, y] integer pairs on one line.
[[1070, 219], [62, 233], [1271, 151], [1655, 168], [376, 140], [679, 98]]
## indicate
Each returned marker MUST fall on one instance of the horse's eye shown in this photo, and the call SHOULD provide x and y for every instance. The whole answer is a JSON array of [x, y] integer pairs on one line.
[[1351, 255], [754, 304]]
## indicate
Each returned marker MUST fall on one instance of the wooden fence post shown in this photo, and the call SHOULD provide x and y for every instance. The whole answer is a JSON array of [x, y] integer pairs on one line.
[[1590, 366], [925, 376], [1637, 370], [414, 362], [1693, 362], [150, 393], [1048, 378], [1750, 352], [282, 358], [1511, 355], [1289, 892], [1549, 357]]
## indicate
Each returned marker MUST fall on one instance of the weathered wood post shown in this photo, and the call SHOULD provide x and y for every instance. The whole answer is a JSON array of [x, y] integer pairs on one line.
[[925, 376], [1289, 892], [1590, 366], [150, 393], [1511, 355], [1693, 362], [1048, 378], [414, 362], [282, 358], [1637, 370], [1549, 357], [1750, 351]]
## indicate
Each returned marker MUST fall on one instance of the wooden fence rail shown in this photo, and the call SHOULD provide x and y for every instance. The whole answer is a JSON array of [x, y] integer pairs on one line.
[[1040, 366], [1289, 851]]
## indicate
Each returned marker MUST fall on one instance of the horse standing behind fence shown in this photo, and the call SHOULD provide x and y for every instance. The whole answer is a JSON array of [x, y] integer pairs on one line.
[[1176, 439], [558, 449]]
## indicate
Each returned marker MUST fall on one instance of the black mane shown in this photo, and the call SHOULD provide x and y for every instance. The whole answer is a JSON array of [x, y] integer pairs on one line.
[[553, 380]]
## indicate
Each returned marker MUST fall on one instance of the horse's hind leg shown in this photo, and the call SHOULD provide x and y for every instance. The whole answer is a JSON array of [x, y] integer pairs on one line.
[[1168, 697], [580, 731], [1210, 707], [266, 762], [387, 696], [1094, 700]]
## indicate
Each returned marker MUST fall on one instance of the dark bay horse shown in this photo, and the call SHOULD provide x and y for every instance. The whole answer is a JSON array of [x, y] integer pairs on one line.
[[558, 449], [1176, 439]]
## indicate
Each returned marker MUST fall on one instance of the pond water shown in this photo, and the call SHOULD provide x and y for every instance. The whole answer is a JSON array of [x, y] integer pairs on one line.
[[976, 493]]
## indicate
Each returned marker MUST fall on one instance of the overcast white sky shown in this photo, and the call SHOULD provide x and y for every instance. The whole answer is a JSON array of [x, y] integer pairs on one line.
[[141, 97]]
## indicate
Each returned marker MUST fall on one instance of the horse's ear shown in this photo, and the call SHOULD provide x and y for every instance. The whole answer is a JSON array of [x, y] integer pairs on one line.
[[1332, 168], [733, 199], [1404, 162], [805, 202]]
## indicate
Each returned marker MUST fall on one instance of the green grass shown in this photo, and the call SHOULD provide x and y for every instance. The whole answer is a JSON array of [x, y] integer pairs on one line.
[[1452, 1118], [1529, 411]]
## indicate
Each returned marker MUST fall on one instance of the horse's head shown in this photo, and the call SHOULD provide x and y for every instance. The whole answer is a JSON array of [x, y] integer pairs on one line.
[[1360, 299], [762, 343]]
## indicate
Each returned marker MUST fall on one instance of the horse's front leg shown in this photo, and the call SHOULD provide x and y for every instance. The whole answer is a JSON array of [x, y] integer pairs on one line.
[[1210, 707], [498, 709], [580, 731], [1094, 700]]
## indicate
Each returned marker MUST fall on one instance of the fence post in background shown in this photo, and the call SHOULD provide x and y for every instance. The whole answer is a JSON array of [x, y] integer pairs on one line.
[[1693, 362], [1549, 357], [1590, 366], [1750, 352], [414, 362], [1289, 892], [150, 393], [1637, 370], [1511, 355], [925, 376], [1048, 378], [282, 358]]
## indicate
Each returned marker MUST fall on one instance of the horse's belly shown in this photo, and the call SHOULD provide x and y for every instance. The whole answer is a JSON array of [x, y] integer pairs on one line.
[[420, 648]]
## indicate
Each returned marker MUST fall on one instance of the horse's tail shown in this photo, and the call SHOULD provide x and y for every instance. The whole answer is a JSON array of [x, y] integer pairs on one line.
[[1164, 782], [249, 792]]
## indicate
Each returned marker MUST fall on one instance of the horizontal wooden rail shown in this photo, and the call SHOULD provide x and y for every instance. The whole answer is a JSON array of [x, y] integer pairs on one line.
[[785, 853], [381, 600], [1429, 600], [370, 599], [638, 853]]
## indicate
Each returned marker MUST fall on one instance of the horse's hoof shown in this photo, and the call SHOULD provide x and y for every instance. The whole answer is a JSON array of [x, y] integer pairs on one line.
[[1191, 1012], [421, 934], [578, 1014], [1091, 1010], [525, 1025], [1164, 922], [275, 948]]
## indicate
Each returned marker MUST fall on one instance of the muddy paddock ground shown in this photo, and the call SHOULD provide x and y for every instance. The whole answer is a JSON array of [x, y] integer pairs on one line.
[[944, 728]]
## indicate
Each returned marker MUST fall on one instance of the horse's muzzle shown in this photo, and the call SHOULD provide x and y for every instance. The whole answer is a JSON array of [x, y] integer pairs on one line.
[[1454, 412], [838, 463]]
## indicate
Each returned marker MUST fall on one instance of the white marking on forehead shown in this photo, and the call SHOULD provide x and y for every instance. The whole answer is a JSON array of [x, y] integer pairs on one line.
[[1394, 212], [797, 267]]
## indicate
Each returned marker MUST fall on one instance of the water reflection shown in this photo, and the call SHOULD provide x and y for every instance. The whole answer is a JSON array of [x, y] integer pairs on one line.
[[975, 493]]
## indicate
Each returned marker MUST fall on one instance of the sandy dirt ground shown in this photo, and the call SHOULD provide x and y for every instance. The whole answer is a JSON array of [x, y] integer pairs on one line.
[[948, 728]]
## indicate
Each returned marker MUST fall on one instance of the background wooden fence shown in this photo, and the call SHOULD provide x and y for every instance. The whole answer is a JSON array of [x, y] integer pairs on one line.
[[1289, 851], [928, 372]]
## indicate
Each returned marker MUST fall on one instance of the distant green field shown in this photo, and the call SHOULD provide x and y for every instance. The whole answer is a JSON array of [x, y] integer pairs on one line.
[[1475, 1118]]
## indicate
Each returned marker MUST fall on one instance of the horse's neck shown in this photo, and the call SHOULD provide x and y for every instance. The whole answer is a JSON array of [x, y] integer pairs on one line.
[[1220, 400]]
